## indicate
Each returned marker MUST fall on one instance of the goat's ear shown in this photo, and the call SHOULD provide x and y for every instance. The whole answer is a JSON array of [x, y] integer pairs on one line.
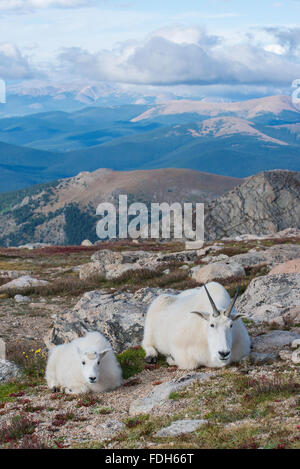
[[238, 316], [202, 315], [102, 354]]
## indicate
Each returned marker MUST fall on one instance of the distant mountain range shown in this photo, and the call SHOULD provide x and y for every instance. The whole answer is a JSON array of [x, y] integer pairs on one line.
[[64, 212], [36, 96], [232, 139]]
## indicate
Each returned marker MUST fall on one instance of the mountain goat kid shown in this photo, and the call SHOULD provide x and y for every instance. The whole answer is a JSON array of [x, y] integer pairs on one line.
[[197, 327], [85, 365]]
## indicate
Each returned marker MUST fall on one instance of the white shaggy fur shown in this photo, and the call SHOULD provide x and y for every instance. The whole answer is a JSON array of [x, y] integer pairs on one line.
[[190, 340], [86, 364]]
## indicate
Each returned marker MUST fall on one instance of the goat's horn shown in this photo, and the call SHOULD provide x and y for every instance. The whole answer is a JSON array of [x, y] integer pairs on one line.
[[230, 307], [216, 311]]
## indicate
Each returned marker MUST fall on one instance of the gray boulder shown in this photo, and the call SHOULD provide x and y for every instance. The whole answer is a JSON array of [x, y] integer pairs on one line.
[[119, 316], [8, 371], [217, 271], [270, 297], [273, 341], [92, 270], [23, 282]]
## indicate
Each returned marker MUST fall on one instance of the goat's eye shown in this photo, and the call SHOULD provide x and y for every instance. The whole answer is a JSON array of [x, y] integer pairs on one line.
[[231, 325], [98, 363], [212, 325], [83, 363]]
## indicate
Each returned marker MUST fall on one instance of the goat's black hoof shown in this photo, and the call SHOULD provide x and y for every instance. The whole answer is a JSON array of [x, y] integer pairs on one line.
[[55, 389], [151, 360]]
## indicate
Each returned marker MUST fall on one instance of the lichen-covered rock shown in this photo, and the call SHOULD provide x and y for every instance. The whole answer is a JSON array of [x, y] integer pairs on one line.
[[270, 296], [8, 371], [92, 270], [119, 316]]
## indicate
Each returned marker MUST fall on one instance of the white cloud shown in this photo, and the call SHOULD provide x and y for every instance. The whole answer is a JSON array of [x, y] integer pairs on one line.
[[29, 5], [13, 65], [189, 56]]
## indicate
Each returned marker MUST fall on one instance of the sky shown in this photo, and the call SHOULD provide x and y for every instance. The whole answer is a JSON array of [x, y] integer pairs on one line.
[[225, 48]]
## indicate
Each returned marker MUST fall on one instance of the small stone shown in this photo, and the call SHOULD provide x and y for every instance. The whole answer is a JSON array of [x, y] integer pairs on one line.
[[86, 243], [2, 350], [180, 427], [191, 245], [285, 355], [278, 321], [21, 299], [295, 343], [262, 358], [296, 357], [111, 428]]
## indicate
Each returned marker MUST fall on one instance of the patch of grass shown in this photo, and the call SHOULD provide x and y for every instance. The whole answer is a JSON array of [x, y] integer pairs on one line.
[[62, 418], [88, 400], [30, 442], [102, 410], [31, 357], [135, 421], [132, 361], [9, 391], [176, 396], [16, 429], [265, 388]]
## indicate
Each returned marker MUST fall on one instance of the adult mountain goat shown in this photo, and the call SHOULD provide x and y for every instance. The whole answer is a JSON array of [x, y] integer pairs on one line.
[[86, 364], [198, 327]]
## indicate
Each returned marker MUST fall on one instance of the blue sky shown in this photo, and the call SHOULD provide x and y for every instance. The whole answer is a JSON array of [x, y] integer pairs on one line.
[[225, 46]]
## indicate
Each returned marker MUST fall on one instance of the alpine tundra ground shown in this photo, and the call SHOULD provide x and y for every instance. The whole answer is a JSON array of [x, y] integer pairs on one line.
[[245, 406]]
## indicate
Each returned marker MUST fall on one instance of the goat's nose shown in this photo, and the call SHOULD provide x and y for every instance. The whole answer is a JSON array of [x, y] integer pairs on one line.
[[224, 355], [92, 379]]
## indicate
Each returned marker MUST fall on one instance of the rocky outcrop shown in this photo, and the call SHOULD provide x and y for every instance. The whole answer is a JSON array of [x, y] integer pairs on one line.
[[272, 297], [266, 203], [111, 264], [119, 316], [271, 256]]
